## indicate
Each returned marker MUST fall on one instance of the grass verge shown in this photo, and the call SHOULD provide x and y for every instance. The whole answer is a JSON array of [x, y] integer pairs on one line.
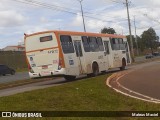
[[90, 94]]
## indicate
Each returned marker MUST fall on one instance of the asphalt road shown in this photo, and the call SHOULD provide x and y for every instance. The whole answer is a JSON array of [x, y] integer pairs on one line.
[[11, 78], [32, 86], [145, 79], [140, 81], [142, 58]]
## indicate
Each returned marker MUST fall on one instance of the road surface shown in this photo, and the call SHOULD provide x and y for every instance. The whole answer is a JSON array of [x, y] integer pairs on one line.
[[11, 78], [141, 81], [145, 80], [29, 87]]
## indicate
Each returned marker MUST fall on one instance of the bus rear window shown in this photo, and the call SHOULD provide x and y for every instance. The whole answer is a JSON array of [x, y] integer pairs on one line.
[[66, 43], [46, 38]]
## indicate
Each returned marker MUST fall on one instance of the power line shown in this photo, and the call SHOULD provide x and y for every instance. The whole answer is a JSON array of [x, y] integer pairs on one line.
[[44, 5], [55, 7], [116, 1], [151, 18], [146, 15]]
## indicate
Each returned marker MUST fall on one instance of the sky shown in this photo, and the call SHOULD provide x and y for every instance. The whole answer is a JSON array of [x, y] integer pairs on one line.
[[29, 16]]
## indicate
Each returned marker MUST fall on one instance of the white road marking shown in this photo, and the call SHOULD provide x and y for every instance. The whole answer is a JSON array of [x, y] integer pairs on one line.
[[117, 77]]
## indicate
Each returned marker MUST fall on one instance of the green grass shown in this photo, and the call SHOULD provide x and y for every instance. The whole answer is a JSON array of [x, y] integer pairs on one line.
[[90, 94]]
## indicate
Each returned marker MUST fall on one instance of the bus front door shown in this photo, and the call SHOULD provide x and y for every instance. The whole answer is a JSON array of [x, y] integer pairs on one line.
[[127, 52], [79, 54], [107, 55]]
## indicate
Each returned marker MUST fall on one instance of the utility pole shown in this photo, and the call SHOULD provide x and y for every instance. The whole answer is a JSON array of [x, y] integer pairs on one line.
[[136, 36], [82, 15], [131, 41]]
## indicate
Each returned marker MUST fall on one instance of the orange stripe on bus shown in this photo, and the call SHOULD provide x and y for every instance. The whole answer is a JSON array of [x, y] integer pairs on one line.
[[89, 34], [41, 49], [60, 50], [78, 33]]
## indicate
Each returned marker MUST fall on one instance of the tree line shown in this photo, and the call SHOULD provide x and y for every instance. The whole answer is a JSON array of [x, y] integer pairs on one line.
[[148, 40]]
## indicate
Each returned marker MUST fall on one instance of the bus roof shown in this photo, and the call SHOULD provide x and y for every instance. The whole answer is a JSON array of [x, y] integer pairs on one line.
[[78, 33]]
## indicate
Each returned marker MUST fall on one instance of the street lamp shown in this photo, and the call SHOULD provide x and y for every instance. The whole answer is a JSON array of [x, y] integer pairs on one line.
[[80, 1]]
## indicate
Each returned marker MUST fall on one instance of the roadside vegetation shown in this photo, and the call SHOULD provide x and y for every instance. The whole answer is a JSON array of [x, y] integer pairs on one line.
[[147, 42], [90, 94]]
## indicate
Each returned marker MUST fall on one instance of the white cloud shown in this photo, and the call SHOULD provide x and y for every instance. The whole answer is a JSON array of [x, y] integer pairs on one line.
[[43, 19], [11, 19], [95, 25], [36, 29], [77, 21], [17, 18]]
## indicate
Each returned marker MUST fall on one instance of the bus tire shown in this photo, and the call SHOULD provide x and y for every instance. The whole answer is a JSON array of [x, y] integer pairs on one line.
[[123, 64], [69, 77], [95, 69]]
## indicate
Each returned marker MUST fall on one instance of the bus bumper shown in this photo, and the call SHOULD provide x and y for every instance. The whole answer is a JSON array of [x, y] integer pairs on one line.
[[48, 73]]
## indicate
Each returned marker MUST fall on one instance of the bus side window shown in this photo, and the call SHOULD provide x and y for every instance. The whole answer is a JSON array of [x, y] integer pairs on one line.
[[117, 45], [93, 44], [78, 48], [67, 45], [113, 43], [100, 43], [121, 43], [86, 44]]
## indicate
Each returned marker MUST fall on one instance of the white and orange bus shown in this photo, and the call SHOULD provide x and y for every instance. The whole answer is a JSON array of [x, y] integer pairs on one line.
[[71, 54]]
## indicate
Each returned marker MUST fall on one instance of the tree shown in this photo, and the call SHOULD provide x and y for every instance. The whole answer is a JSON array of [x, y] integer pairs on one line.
[[108, 30], [140, 43], [128, 39], [150, 39]]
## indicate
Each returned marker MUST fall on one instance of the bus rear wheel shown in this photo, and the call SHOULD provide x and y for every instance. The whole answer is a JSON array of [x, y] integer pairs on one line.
[[69, 77]]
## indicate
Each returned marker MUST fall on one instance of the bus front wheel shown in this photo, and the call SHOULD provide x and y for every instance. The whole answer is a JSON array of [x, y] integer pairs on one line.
[[123, 64], [95, 69], [69, 77]]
